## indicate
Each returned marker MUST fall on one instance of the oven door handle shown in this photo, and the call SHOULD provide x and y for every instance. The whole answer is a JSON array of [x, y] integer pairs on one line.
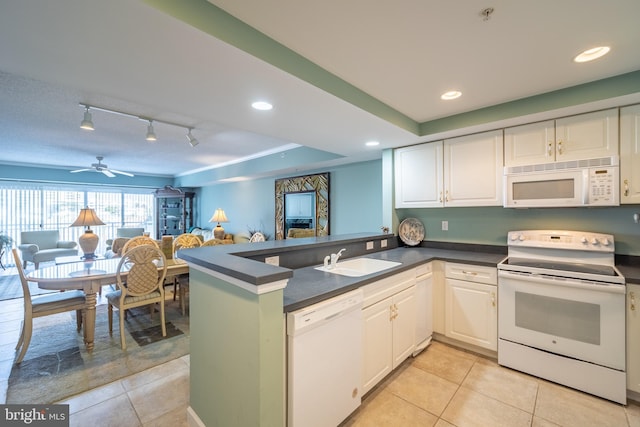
[[569, 283]]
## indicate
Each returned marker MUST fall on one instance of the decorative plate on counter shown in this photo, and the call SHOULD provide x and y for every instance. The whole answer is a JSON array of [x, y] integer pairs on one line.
[[411, 231]]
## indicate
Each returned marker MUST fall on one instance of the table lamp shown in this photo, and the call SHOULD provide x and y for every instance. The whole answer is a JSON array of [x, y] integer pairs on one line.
[[218, 217], [88, 241]]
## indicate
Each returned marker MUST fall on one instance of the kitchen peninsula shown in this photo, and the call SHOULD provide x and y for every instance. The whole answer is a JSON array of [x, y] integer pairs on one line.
[[238, 302]]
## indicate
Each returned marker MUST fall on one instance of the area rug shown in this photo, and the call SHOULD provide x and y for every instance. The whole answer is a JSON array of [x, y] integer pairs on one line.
[[57, 365]]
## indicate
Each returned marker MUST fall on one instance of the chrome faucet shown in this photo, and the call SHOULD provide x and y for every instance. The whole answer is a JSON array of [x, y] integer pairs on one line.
[[335, 257]]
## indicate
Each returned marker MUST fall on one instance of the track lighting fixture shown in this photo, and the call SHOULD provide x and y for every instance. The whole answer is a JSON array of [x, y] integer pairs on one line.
[[192, 139], [87, 123], [151, 135]]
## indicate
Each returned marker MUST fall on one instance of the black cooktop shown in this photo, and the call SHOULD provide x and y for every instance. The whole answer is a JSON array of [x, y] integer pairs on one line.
[[603, 270]]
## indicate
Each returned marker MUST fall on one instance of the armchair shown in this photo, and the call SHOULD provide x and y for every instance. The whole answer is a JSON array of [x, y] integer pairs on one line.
[[45, 245], [127, 232]]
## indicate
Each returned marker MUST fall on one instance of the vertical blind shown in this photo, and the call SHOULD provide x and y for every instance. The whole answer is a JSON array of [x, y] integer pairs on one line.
[[28, 207]]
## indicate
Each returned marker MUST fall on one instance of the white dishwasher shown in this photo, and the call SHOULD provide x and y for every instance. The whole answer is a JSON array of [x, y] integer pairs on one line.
[[324, 359]]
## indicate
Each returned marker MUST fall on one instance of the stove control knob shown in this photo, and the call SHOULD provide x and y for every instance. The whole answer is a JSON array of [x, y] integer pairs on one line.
[[594, 241], [584, 240], [605, 242]]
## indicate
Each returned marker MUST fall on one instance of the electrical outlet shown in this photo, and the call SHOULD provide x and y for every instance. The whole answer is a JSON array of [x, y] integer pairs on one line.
[[273, 260], [383, 243], [445, 225], [369, 246]]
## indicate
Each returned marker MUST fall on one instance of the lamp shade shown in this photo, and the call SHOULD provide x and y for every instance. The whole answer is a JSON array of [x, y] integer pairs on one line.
[[88, 241], [87, 218], [219, 216]]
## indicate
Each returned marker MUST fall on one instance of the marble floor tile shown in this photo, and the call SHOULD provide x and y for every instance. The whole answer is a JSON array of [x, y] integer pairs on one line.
[[445, 362], [423, 389], [154, 374], [174, 418], [169, 393], [115, 412], [541, 422], [568, 407], [93, 397], [387, 409], [469, 408], [507, 386], [633, 414], [443, 423]]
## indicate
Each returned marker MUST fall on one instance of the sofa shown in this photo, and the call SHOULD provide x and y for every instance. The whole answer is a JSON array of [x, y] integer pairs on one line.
[[45, 245], [207, 235]]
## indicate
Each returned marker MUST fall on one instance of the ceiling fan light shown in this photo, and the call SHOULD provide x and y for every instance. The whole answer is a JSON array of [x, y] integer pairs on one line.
[[151, 135], [192, 139], [87, 122]]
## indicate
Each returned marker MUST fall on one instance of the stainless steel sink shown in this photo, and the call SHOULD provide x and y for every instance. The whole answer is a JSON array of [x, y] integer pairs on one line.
[[357, 267]]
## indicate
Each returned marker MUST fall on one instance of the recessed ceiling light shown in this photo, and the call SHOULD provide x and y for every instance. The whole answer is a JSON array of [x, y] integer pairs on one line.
[[372, 143], [591, 54], [262, 106], [452, 94]]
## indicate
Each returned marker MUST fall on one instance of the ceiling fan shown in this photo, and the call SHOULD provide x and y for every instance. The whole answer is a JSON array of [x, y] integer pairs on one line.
[[101, 167]]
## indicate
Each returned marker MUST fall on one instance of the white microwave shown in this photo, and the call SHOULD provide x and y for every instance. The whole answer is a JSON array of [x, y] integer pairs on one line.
[[591, 182]]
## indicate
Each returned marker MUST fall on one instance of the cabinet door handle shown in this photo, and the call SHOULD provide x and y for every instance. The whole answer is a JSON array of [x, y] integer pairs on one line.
[[559, 147], [472, 273], [632, 301], [493, 299], [549, 148], [441, 197], [626, 187], [446, 196]]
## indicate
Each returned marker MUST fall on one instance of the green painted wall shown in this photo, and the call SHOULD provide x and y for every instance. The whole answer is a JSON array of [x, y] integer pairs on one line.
[[237, 354], [489, 225]]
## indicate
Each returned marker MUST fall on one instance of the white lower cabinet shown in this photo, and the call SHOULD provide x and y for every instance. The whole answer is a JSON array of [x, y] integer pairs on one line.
[[389, 324], [471, 304], [633, 337], [424, 306]]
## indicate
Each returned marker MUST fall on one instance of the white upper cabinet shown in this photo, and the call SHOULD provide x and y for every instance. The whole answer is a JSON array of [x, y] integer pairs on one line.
[[473, 170], [418, 175], [530, 144], [464, 171], [585, 136], [630, 155]]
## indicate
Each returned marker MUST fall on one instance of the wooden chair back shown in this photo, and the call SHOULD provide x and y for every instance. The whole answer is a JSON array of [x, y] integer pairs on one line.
[[186, 241], [138, 241]]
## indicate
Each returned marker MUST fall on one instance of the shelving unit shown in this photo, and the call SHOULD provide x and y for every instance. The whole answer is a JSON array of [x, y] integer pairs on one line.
[[174, 211]]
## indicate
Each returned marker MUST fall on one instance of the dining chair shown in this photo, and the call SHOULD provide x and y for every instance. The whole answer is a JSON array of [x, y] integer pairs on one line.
[[45, 305], [145, 267], [181, 283], [137, 241]]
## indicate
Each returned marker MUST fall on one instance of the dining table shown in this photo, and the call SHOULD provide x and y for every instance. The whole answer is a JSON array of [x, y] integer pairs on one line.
[[89, 276]]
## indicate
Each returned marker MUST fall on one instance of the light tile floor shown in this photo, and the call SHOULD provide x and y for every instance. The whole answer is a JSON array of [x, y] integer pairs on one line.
[[443, 387]]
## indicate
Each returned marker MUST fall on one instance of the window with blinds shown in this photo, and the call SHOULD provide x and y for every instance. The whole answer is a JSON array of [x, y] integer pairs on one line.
[[28, 207]]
